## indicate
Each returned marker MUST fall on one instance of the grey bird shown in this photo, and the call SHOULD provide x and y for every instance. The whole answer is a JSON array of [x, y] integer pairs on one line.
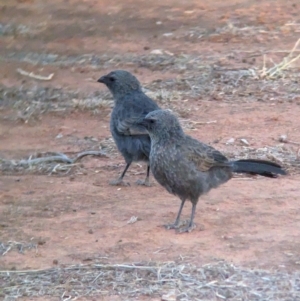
[[131, 105], [189, 168]]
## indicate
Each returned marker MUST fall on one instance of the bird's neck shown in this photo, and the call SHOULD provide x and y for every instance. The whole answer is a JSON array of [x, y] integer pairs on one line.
[[121, 93], [167, 139]]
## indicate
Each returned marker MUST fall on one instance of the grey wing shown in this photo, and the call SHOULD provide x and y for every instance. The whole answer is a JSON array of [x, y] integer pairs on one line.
[[129, 127], [134, 108], [203, 155]]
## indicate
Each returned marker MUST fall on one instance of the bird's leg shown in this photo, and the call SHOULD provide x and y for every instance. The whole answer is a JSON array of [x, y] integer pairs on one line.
[[146, 182], [191, 224], [177, 224], [119, 181]]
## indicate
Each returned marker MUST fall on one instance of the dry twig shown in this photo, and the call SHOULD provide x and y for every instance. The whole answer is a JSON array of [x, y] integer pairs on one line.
[[284, 64], [35, 76]]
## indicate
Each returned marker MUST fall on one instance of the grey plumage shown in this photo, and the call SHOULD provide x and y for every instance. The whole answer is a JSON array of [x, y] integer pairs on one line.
[[131, 105], [189, 168]]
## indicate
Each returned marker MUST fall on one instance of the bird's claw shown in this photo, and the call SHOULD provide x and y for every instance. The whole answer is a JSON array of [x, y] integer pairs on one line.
[[189, 228], [177, 225], [118, 182], [144, 183], [171, 226]]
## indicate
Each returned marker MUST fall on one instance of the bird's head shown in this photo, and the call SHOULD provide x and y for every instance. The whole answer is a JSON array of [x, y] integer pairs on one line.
[[162, 124], [120, 82]]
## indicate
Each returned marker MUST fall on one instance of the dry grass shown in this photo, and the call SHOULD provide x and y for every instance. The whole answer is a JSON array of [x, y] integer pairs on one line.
[[12, 29], [195, 77], [217, 281], [231, 30], [14, 245], [31, 102], [277, 69]]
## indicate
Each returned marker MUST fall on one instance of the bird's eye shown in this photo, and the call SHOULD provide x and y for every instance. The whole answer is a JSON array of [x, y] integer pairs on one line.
[[112, 79], [152, 121]]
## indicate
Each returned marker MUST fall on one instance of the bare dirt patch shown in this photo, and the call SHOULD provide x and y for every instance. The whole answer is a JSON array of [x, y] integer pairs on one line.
[[204, 61]]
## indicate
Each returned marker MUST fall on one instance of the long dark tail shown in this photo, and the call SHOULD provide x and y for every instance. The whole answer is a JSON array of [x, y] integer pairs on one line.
[[258, 167]]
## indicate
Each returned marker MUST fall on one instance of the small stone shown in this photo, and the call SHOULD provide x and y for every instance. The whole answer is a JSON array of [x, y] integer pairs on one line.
[[60, 135], [41, 242], [156, 51], [283, 138], [189, 12], [230, 141], [90, 231], [55, 261], [132, 220], [244, 141]]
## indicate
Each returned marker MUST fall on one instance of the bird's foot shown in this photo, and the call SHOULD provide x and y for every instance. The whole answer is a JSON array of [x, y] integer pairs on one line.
[[176, 225], [118, 182], [189, 228], [145, 182], [171, 226]]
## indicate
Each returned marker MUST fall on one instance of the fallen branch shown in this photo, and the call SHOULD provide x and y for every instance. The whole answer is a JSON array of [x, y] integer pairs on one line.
[[61, 157], [89, 153], [48, 162]]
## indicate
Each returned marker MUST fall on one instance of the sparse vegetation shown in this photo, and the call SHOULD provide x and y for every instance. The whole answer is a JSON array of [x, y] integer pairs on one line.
[[207, 61], [182, 281]]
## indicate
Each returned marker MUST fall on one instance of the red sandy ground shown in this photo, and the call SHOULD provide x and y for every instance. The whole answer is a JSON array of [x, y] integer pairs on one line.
[[80, 218]]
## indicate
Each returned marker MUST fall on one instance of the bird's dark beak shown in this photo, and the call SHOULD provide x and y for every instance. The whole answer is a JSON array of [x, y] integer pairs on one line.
[[145, 123], [102, 79]]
